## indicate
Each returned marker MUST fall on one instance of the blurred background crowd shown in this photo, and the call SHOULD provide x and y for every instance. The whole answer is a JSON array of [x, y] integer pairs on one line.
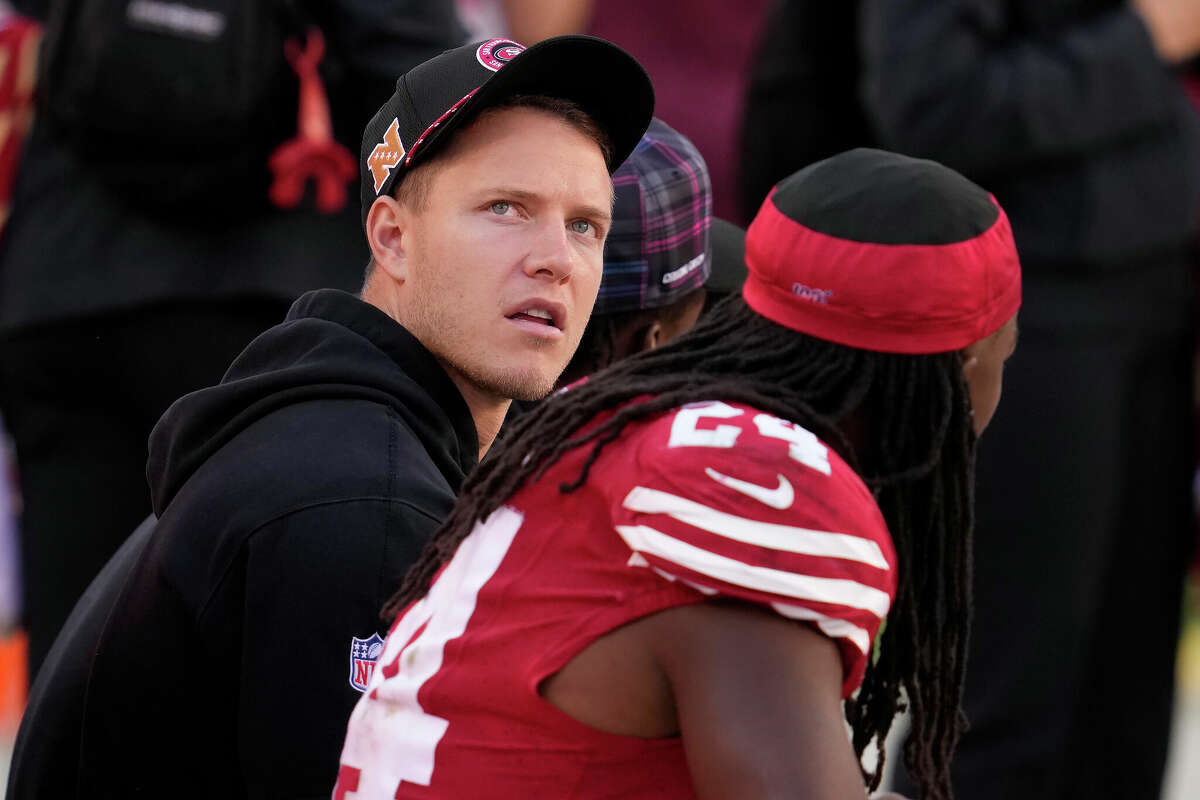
[[132, 272]]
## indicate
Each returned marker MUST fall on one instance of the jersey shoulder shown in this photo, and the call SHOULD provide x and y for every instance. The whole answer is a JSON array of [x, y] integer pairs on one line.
[[738, 503], [734, 458]]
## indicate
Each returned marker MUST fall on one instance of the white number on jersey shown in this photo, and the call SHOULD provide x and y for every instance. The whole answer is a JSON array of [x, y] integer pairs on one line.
[[389, 732], [803, 446], [684, 432]]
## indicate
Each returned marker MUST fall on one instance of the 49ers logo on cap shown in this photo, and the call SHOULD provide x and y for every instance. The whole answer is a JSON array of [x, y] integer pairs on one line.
[[386, 155], [495, 53]]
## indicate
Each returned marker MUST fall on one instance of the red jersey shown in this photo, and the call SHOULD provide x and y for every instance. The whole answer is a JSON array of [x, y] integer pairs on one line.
[[711, 499]]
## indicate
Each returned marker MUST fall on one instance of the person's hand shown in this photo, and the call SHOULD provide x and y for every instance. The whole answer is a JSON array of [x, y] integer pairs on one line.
[[888, 796], [1174, 26]]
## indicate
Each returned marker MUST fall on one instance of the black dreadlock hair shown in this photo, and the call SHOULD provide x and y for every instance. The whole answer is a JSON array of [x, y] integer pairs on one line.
[[600, 342], [916, 454]]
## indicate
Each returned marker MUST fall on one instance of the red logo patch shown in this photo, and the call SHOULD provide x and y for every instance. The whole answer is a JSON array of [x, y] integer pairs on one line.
[[386, 155], [495, 53]]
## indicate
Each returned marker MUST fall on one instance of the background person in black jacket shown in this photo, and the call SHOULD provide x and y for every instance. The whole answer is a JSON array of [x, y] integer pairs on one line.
[[1068, 110], [293, 495], [111, 306]]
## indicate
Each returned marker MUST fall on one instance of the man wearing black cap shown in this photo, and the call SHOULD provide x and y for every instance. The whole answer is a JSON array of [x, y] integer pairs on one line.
[[220, 652], [663, 584]]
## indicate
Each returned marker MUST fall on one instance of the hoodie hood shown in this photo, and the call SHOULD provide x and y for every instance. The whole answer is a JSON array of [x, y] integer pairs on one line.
[[330, 346]]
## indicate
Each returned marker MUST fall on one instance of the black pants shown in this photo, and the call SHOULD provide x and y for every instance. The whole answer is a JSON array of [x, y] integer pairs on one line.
[[1083, 534], [79, 399]]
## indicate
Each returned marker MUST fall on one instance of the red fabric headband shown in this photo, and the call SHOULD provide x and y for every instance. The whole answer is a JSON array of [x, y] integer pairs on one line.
[[893, 298]]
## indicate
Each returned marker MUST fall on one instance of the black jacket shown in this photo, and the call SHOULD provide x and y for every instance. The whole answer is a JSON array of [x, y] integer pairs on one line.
[[213, 656], [1059, 107]]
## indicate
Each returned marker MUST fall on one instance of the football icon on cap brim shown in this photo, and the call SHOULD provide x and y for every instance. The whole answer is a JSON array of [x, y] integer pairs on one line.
[[386, 156]]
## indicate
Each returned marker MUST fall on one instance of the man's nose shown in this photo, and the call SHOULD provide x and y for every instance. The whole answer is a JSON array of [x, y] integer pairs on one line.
[[551, 255]]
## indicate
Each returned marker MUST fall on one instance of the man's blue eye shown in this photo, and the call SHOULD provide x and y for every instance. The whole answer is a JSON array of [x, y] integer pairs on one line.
[[500, 208], [581, 226]]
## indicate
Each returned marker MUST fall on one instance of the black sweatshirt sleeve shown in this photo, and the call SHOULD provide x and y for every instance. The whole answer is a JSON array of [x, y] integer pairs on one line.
[[947, 80], [315, 581]]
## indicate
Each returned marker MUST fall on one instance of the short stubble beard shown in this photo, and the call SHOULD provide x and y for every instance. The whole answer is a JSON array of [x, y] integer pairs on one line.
[[526, 386]]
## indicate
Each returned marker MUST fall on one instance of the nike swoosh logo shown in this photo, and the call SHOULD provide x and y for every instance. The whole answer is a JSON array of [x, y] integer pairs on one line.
[[780, 497]]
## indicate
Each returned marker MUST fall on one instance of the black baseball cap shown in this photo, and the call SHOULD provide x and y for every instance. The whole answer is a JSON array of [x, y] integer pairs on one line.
[[728, 258], [439, 95]]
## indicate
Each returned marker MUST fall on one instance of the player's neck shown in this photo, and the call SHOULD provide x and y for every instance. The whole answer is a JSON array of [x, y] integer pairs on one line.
[[487, 409]]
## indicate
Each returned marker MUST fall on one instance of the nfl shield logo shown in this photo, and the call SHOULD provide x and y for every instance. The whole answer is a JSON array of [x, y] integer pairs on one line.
[[363, 653]]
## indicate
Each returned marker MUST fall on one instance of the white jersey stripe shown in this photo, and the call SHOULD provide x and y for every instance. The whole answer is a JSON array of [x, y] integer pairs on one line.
[[839, 591], [831, 627], [785, 538]]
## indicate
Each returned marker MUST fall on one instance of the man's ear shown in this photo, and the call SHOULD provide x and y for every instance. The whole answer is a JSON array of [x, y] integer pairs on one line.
[[651, 336], [970, 360], [387, 222]]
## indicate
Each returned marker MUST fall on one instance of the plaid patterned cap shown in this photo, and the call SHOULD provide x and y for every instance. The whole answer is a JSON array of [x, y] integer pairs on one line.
[[658, 249]]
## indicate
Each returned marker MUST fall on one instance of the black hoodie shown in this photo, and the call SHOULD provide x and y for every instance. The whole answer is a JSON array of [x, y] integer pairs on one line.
[[291, 498]]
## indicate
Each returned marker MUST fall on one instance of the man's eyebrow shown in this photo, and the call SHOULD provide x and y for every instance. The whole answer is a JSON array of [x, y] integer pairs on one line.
[[511, 191], [595, 212]]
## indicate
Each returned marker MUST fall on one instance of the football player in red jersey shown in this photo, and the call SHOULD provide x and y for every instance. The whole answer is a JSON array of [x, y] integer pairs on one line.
[[667, 580]]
